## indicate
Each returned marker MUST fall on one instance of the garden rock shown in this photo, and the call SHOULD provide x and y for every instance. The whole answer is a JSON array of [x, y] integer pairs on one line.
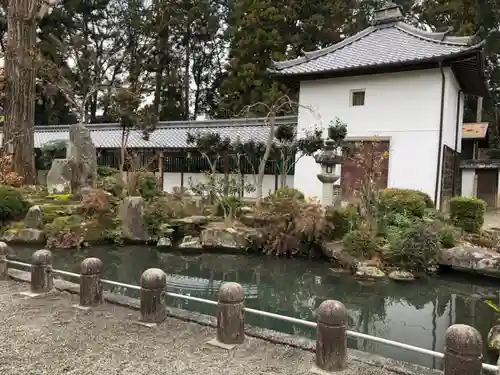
[[34, 217], [369, 272], [401, 275], [133, 223], [258, 221], [82, 154], [471, 259], [25, 236], [164, 242], [494, 338], [335, 251], [194, 220], [226, 238], [59, 177], [190, 242]]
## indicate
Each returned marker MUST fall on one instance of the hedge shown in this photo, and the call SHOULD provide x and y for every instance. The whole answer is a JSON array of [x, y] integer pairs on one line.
[[467, 213], [403, 201]]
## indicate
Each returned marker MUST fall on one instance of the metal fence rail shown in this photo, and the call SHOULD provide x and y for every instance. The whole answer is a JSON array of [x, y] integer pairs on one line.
[[266, 314]]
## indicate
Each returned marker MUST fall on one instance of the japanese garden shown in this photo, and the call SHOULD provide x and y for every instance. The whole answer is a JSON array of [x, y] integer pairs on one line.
[[139, 68]]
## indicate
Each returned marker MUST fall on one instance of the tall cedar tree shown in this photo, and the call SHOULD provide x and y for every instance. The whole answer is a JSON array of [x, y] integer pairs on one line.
[[258, 29]]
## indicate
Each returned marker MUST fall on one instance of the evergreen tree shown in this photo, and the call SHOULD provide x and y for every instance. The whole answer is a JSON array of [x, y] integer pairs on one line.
[[258, 30]]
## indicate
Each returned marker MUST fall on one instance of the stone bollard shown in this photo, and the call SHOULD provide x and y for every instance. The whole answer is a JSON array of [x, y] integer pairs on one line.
[[90, 282], [41, 275], [230, 316], [153, 283], [4, 268], [331, 342], [463, 350]]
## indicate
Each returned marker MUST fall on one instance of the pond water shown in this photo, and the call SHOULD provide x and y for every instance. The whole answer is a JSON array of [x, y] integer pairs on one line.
[[415, 313]]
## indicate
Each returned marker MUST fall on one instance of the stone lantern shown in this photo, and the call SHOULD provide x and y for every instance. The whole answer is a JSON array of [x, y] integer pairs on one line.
[[328, 158]]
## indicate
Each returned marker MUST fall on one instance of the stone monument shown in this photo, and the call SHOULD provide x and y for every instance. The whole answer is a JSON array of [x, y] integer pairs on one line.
[[79, 169], [81, 153]]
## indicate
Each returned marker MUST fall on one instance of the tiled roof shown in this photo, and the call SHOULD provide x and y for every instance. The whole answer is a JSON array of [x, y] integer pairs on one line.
[[384, 44], [474, 130], [169, 134]]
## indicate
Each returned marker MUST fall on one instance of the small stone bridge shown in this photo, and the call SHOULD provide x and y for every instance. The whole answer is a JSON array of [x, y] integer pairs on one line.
[[51, 326]]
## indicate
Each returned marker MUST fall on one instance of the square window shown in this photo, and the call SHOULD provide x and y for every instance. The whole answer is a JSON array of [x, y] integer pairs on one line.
[[357, 98], [329, 169]]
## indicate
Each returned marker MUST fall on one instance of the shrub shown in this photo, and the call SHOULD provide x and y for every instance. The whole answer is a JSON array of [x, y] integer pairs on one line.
[[482, 239], [294, 227], [112, 184], [285, 193], [7, 177], [66, 232], [467, 213], [97, 202], [228, 205], [427, 199], [360, 243], [403, 201], [342, 220], [415, 248], [13, 206], [447, 236], [146, 185], [162, 209], [105, 171]]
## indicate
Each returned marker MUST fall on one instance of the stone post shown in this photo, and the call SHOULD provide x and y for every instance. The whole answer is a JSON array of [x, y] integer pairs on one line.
[[4, 268], [41, 275], [331, 343], [230, 315], [153, 284], [90, 282], [463, 350]]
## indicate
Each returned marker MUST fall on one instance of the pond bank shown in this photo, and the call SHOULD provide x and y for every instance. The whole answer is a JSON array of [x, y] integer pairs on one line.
[[417, 313]]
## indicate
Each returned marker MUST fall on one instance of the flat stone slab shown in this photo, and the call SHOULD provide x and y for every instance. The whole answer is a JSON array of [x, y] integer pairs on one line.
[[48, 336], [33, 295], [218, 344], [80, 307]]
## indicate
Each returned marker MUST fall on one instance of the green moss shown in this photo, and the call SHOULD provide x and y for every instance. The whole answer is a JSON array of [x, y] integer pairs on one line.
[[16, 226], [66, 222], [51, 211], [59, 197]]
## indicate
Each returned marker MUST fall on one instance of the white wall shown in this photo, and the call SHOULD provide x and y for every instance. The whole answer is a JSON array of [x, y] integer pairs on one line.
[[468, 176], [401, 107], [171, 180]]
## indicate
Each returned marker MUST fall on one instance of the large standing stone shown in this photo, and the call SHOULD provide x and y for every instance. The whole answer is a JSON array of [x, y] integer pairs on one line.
[[59, 177], [82, 154], [472, 259], [34, 218], [131, 214]]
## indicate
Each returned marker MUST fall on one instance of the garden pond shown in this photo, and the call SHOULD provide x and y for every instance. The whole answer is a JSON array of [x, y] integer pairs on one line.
[[415, 313]]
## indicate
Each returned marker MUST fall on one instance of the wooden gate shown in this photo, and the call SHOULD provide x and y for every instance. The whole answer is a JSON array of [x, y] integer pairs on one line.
[[487, 186], [366, 160], [450, 176]]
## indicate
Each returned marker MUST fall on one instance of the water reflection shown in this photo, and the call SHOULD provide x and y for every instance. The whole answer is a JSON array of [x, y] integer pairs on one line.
[[417, 313]]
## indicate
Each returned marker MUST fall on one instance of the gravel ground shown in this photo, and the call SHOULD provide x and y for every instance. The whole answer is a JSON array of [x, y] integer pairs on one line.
[[49, 336]]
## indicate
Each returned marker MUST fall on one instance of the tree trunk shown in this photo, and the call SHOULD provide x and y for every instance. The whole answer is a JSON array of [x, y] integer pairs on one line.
[[20, 88], [263, 161]]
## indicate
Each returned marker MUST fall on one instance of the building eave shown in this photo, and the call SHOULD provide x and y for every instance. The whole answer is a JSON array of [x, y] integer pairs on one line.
[[453, 60]]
